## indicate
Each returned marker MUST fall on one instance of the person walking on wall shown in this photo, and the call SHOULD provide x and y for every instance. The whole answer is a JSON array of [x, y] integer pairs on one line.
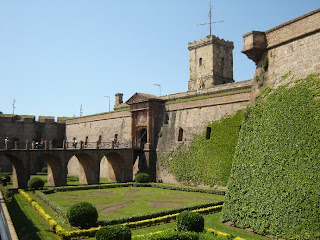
[[6, 143], [75, 142], [42, 143]]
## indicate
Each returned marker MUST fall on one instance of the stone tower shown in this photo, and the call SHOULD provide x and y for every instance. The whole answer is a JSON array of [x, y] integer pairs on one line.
[[211, 63]]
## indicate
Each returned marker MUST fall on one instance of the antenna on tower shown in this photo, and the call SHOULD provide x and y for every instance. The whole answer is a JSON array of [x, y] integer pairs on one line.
[[210, 19], [81, 110], [13, 107]]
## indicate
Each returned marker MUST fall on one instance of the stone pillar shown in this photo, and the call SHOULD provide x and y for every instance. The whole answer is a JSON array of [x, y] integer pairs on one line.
[[16, 145], [133, 128], [33, 145], [50, 144], [148, 145]]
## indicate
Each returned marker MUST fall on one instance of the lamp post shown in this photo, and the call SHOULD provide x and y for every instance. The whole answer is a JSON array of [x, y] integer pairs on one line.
[[109, 101], [159, 87]]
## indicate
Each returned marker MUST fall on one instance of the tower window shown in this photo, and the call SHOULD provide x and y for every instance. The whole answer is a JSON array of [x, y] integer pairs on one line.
[[180, 137], [208, 133], [200, 61]]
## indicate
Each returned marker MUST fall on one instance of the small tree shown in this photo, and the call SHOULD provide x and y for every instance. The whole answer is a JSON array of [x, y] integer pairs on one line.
[[142, 178], [35, 183], [190, 221], [82, 215], [115, 232]]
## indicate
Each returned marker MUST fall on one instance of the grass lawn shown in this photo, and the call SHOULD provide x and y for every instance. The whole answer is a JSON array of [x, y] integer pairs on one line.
[[116, 203], [211, 221], [28, 224], [131, 201]]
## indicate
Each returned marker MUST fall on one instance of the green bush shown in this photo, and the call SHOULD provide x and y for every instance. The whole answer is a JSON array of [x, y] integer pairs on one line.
[[115, 232], [190, 221], [7, 194], [44, 170], [35, 183], [275, 182], [82, 215], [6, 177], [142, 178]]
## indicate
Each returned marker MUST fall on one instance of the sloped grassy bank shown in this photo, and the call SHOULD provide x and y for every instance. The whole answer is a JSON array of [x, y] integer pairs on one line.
[[209, 158], [274, 187]]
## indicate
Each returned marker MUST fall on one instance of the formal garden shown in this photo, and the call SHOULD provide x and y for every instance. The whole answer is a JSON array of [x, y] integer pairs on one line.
[[145, 210]]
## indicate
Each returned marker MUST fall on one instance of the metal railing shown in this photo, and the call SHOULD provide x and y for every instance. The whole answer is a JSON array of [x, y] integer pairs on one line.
[[67, 145], [98, 145]]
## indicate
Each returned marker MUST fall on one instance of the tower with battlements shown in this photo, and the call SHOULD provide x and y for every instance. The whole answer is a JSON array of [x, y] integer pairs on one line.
[[211, 63]]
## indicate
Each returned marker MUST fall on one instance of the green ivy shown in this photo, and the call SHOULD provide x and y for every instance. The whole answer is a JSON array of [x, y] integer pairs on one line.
[[274, 187], [207, 161]]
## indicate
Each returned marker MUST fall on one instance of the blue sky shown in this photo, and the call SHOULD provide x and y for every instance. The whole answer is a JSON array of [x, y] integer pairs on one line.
[[58, 55]]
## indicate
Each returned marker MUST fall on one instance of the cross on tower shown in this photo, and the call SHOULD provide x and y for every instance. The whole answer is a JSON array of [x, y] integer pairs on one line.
[[210, 19]]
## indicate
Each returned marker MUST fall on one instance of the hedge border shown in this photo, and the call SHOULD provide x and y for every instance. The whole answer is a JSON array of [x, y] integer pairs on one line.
[[91, 232]]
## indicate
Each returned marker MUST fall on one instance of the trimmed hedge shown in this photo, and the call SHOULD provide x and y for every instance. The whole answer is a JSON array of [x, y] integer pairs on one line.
[[132, 184], [115, 232], [208, 160], [83, 215], [35, 183], [190, 222], [275, 183], [142, 178]]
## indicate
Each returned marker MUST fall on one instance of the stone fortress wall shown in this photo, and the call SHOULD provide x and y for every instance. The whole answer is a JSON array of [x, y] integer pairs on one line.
[[25, 128], [292, 50], [292, 47]]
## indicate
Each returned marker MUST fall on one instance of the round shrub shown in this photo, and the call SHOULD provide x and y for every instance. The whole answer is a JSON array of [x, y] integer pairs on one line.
[[190, 221], [82, 215], [36, 183], [142, 178], [114, 232], [44, 170], [5, 177]]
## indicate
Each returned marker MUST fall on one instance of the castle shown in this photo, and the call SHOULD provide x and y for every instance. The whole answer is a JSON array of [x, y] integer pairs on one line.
[[159, 125]]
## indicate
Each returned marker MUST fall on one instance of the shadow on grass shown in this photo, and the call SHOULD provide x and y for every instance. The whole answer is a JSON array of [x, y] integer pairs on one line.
[[22, 223]]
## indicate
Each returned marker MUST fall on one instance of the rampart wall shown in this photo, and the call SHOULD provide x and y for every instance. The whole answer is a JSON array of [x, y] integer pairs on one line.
[[22, 129], [290, 50]]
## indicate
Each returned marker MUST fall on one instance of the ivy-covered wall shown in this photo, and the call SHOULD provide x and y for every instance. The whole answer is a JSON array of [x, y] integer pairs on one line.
[[274, 187], [208, 160]]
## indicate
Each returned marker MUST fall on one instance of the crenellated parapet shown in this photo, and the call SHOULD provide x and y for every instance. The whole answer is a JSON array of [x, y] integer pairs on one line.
[[209, 40]]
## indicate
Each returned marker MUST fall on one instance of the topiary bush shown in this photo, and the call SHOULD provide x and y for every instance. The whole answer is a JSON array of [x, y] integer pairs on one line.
[[190, 221], [35, 183], [114, 232], [82, 215], [142, 178]]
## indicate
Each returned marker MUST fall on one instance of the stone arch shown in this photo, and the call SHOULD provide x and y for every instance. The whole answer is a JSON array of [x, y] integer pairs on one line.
[[88, 169], [57, 175], [20, 172], [112, 166]]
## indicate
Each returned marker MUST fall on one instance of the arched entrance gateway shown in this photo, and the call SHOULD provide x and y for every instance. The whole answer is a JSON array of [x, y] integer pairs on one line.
[[144, 128]]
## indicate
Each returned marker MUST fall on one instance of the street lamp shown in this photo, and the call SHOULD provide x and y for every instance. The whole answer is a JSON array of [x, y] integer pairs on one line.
[[109, 101], [159, 87]]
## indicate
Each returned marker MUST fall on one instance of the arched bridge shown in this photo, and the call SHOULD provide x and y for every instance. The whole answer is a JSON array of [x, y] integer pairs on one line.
[[120, 163]]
